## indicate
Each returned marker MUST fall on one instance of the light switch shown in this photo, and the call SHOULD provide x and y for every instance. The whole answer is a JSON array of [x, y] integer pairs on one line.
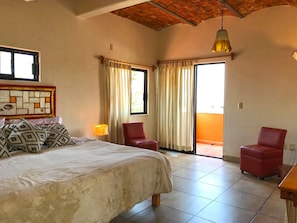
[[240, 105]]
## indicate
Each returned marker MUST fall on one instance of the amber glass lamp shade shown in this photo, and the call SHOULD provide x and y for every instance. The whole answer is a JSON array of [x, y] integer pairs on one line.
[[100, 130], [222, 43]]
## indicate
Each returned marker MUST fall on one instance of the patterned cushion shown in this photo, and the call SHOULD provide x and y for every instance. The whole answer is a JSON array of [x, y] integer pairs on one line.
[[27, 137], [3, 146], [58, 136], [7, 129]]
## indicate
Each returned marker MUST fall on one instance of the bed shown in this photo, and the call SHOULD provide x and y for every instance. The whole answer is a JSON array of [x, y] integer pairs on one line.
[[77, 180]]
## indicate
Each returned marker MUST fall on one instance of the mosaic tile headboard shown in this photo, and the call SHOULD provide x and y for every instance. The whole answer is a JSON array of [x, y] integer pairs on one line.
[[21, 101]]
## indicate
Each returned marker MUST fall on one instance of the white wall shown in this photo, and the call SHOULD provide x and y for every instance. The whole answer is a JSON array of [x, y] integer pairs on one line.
[[262, 75], [68, 47]]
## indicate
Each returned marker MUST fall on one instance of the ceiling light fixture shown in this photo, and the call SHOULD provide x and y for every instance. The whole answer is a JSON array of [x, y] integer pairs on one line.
[[222, 42]]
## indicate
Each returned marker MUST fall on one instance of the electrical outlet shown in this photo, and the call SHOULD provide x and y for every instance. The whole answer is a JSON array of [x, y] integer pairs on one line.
[[291, 147]]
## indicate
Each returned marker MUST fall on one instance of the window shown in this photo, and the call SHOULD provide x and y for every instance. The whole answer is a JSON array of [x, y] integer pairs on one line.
[[138, 91], [18, 64]]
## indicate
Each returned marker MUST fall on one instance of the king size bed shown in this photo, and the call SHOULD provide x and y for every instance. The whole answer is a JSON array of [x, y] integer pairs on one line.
[[76, 180]]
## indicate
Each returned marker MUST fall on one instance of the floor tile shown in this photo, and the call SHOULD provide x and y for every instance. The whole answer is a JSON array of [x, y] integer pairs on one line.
[[242, 200], [256, 187], [121, 219], [203, 190], [224, 181], [223, 213], [180, 182], [228, 170], [274, 208], [188, 174], [137, 208], [161, 214], [260, 218], [198, 220], [186, 202], [209, 150], [275, 194]]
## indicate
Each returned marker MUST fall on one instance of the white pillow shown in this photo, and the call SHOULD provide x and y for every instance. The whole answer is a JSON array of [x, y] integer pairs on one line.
[[38, 121]]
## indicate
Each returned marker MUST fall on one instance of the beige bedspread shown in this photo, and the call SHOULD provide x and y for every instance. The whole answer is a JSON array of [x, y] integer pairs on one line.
[[89, 182]]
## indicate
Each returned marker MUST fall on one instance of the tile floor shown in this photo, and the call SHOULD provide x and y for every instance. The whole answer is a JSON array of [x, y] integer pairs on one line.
[[209, 150], [211, 190]]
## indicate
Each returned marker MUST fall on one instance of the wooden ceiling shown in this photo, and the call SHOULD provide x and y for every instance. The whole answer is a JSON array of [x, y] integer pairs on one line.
[[160, 14]]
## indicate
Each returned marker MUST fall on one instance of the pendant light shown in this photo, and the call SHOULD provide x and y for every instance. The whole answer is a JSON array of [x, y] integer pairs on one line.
[[222, 43]]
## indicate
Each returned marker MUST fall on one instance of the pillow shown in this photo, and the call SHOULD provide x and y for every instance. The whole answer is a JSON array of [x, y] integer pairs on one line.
[[27, 137], [38, 121], [3, 146], [7, 129], [58, 136]]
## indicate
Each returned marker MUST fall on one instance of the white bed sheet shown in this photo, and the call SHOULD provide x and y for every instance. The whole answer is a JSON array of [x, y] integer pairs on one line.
[[92, 181]]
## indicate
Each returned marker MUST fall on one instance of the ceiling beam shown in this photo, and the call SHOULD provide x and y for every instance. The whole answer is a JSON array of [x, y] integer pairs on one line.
[[172, 14], [230, 8], [91, 8]]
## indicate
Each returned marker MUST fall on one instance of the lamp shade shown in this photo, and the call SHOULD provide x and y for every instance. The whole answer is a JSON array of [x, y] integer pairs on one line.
[[222, 42], [100, 130]]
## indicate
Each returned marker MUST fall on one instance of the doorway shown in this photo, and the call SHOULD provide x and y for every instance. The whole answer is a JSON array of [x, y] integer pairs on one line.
[[209, 114]]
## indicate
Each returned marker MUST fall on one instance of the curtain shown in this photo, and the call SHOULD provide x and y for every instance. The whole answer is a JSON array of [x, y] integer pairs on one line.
[[175, 87], [117, 98]]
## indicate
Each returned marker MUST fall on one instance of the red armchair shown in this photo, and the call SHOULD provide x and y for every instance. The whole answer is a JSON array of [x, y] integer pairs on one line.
[[134, 136], [264, 158]]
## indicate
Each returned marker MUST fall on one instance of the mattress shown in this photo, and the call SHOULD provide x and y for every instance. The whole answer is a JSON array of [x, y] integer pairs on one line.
[[92, 181]]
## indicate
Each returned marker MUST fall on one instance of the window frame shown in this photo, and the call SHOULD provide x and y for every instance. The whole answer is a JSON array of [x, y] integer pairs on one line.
[[35, 65], [145, 93]]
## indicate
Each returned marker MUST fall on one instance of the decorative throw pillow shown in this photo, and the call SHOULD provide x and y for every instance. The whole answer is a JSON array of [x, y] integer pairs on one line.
[[3, 146], [58, 136], [27, 137], [7, 129]]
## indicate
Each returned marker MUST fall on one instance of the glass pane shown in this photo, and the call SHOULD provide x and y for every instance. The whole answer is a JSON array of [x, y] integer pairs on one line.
[[23, 66], [137, 92], [5, 62], [210, 88]]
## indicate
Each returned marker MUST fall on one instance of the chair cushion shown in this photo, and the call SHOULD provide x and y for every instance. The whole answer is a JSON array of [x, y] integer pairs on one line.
[[145, 143], [261, 152]]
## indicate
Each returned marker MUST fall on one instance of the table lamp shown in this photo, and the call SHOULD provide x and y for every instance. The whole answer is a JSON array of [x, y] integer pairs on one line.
[[100, 130]]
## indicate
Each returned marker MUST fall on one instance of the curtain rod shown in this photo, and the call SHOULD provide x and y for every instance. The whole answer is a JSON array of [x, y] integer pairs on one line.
[[102, 58], [231, 55]]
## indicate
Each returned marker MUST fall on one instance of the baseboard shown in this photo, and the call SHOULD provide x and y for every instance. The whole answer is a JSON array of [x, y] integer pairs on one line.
[[231, 159]]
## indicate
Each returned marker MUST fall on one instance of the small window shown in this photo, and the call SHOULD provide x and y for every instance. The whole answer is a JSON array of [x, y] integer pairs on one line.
[[138, 91], [18, 64]]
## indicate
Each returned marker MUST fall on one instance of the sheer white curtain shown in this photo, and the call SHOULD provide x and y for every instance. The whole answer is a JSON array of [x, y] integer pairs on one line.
[[175, 87], [117, 98]]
